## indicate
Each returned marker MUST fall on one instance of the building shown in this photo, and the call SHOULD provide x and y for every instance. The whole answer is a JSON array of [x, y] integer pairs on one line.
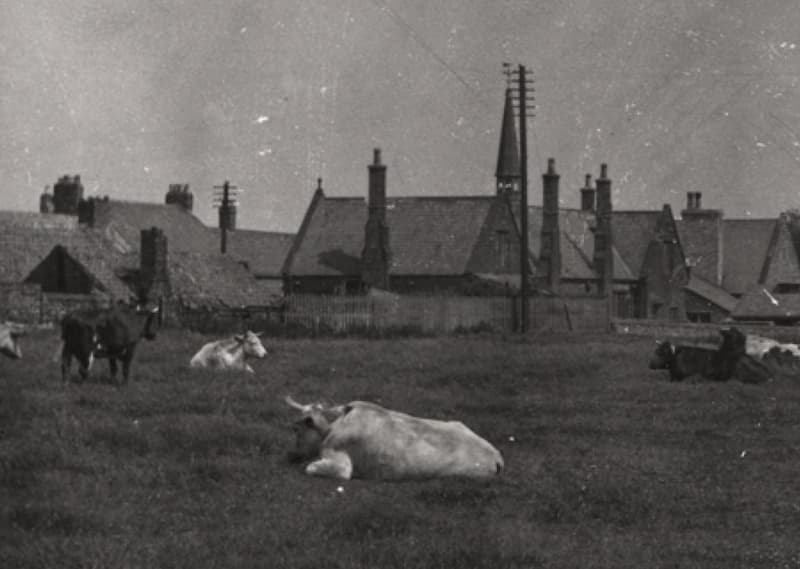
[[109, 249], [448, 244], [744, 269]]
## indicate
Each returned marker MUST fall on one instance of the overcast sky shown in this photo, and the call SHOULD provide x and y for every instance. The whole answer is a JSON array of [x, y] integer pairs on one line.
[[136, 94]]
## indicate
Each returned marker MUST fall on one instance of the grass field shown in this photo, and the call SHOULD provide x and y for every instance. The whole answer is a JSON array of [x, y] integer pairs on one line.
[[607, 463]]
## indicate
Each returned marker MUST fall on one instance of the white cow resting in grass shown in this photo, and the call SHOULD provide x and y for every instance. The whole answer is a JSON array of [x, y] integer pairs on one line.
[[8, 340], [364, 440], [230, 353]]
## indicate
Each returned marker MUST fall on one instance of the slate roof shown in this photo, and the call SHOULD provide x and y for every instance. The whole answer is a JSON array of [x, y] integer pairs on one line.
[[744, 247], [632, 233], [745, 243], [759, 304], [427, 235], [712, 293], [264, 251], [123, 221], [577, 242]]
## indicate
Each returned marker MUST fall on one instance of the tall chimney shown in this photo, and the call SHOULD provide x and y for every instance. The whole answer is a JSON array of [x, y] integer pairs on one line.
[[550, 253], [153, 265], [376, 254], [603, 238], [587, 195], [705, 238]]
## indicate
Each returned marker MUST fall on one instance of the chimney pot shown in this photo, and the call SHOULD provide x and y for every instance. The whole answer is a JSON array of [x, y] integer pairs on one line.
[[698, 197], [551, 165], [319, 183], [604, 171], [588, 183], [376, 156]]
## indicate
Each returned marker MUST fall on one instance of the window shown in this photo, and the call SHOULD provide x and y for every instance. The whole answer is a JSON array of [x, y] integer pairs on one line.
[[699, 316]]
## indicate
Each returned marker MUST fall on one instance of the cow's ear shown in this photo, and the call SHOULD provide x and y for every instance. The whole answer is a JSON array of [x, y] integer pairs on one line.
[[259, 334], [239, 338]]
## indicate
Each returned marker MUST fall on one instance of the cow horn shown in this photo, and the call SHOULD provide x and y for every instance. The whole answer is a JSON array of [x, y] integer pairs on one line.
[[292, 403]]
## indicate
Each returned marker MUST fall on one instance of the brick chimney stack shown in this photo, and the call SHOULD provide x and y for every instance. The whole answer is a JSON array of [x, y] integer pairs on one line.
[[180, 194], [550, 253], [67, 193], [376, 255], [587, 195], [153, 265], [603, 237], [707, 237]]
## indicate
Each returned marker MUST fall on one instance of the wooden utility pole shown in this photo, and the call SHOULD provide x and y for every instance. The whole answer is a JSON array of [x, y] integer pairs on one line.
[[524, 258], [223, 202]]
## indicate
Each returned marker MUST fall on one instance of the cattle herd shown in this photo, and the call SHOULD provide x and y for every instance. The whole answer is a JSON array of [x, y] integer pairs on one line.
[[364, 440]]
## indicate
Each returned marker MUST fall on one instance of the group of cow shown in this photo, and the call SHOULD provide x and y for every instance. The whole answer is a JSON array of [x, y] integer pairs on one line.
[[359, 439], [113, 334], [364, 440], [745, 357]]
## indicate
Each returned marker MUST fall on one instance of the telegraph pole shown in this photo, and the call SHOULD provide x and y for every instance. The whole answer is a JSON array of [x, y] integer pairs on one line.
[[224, 202], [523, 99]]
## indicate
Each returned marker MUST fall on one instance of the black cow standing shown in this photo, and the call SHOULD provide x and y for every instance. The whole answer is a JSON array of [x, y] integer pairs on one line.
[[110, 333]]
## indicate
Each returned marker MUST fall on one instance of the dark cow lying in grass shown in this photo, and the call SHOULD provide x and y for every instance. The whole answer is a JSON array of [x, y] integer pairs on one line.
[[110, 333], [684, 361], [727, 361], [364, 440]]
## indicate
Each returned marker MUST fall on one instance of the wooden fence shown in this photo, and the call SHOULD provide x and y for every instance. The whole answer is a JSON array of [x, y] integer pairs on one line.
[[442, 314]]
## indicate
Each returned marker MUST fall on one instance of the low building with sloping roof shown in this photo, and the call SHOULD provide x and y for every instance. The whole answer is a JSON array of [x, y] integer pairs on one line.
[[423, 244], [706, 302], [96, 247], [739, 259]]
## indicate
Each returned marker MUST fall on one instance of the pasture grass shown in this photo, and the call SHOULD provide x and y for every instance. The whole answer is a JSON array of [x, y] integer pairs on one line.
[[607, 463]]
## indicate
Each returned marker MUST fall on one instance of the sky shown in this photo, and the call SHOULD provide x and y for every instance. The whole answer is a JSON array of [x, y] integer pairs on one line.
[[135, 95]]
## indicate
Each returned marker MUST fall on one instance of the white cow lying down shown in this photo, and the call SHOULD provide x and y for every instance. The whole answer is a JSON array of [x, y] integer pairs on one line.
[[8, 340], [230, 353], [364, 440]]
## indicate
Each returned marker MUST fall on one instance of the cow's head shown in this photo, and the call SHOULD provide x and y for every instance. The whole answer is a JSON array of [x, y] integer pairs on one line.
[[664, 354], [251, 344], [311, 428], [734, 342], [9, 345]]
